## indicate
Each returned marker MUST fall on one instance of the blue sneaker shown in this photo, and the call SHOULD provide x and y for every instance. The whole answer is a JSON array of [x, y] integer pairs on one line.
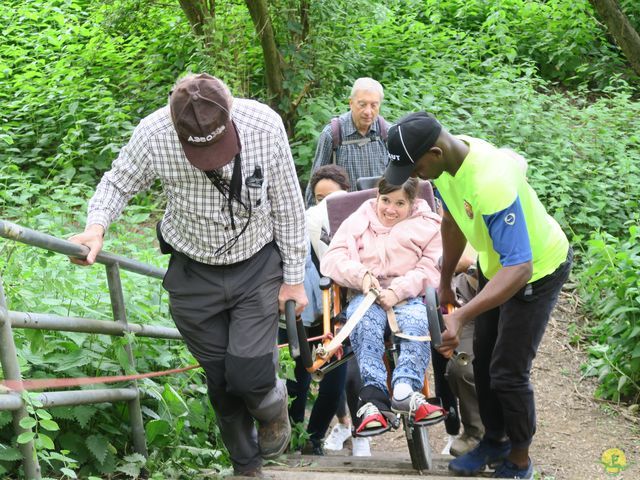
[[510, 470], [487, 452]]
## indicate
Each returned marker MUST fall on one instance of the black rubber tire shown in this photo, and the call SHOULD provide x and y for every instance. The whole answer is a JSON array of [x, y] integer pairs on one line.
[[419, 446], [418, 435], [434, 316]]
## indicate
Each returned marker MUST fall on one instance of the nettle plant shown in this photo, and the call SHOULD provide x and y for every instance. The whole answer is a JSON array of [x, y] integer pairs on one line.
[[610, 286]]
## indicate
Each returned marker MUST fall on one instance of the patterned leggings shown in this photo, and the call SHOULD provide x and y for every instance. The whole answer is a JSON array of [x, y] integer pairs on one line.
[[367, 339]]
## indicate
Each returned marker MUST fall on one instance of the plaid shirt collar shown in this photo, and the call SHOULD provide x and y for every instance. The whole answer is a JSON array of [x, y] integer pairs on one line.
[[350, 127]]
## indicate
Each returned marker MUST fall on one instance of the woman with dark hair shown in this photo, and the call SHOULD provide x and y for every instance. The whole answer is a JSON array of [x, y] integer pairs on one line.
[[391, 243], [328, 179], [325, 181]]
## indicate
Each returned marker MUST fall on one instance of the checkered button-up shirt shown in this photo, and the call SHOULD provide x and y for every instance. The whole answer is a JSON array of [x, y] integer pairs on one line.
[[360, 160], [197, 221]]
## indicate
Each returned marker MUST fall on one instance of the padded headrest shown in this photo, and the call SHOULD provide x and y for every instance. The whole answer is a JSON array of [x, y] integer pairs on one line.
[[365, 183]]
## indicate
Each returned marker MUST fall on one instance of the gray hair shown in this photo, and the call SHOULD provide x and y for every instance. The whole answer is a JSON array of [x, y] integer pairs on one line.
[[368, 85]]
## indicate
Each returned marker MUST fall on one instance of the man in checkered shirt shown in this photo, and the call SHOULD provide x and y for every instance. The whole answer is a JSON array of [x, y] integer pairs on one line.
[[362, 150], [235, 227]]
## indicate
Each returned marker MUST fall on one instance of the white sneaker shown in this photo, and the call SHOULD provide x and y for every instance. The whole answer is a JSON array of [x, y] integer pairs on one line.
[[361, 447], [339, 433], [447, 448]]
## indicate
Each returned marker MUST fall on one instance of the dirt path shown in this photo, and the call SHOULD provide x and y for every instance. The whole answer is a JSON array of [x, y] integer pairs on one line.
[[574, 431]]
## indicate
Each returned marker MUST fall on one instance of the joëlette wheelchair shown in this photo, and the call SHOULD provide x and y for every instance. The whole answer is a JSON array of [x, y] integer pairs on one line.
[[323, 358]]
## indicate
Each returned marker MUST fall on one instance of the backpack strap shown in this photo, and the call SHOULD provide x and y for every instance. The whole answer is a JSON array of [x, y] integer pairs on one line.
[[335, 137], [382, 128]]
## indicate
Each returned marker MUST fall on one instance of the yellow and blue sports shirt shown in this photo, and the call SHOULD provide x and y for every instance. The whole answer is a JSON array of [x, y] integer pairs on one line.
[[500, 214]]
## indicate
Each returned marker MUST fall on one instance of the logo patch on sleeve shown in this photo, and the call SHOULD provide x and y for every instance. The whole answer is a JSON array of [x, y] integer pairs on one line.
[[510, 218]]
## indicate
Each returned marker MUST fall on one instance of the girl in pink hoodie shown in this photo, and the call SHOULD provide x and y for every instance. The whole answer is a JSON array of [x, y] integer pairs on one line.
[[391, 243]]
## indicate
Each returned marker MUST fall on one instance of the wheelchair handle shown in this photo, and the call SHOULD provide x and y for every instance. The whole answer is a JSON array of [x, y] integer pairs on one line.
[[297, 336], [292, 329], [436, 325]]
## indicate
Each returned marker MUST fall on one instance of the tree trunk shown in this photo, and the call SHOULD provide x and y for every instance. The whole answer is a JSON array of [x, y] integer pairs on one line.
[[620, 29], [259, 11], [201, 15], [304, 19]]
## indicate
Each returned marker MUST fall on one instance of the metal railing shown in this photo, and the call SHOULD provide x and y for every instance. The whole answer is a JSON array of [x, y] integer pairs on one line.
[[10, 320]]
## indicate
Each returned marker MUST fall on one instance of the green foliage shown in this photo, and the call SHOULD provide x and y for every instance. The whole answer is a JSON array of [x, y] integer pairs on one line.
[[72, 90], [38, 421], [631, 9], [563, 39], [540, 77], [179, 418], [610, 287], [581, 162]]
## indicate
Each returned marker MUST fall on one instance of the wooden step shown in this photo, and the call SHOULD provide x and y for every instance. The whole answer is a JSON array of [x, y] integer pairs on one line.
[[336, 466]]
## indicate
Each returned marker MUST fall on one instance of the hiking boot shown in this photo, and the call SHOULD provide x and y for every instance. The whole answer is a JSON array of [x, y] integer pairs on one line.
[[274, 436], [463, 444], [372, 422], [510, 470], [360, 447], [339, 433], [252, 472], [487, 452], [417, 407]]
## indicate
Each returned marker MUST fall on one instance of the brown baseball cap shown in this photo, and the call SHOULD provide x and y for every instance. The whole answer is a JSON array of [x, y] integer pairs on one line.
[[201, 112]]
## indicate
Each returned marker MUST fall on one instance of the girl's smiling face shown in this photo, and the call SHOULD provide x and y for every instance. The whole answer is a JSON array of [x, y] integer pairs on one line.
[[393, 207]]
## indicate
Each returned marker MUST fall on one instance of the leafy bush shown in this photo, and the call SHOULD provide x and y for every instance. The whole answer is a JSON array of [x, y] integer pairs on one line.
[[177, 412], [73, 90], [582, 165], [77, 75], [563, 39], [610, 286], [631, 9]]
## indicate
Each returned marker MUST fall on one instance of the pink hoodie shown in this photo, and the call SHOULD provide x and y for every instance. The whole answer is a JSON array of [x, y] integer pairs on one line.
[[403, 257]]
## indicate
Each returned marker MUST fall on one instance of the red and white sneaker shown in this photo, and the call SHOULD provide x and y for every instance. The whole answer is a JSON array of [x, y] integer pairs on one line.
[[417, 407], [372, 421]]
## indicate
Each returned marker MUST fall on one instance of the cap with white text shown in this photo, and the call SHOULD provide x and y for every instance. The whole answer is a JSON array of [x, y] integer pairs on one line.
[[408, 140], [201, 112]]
